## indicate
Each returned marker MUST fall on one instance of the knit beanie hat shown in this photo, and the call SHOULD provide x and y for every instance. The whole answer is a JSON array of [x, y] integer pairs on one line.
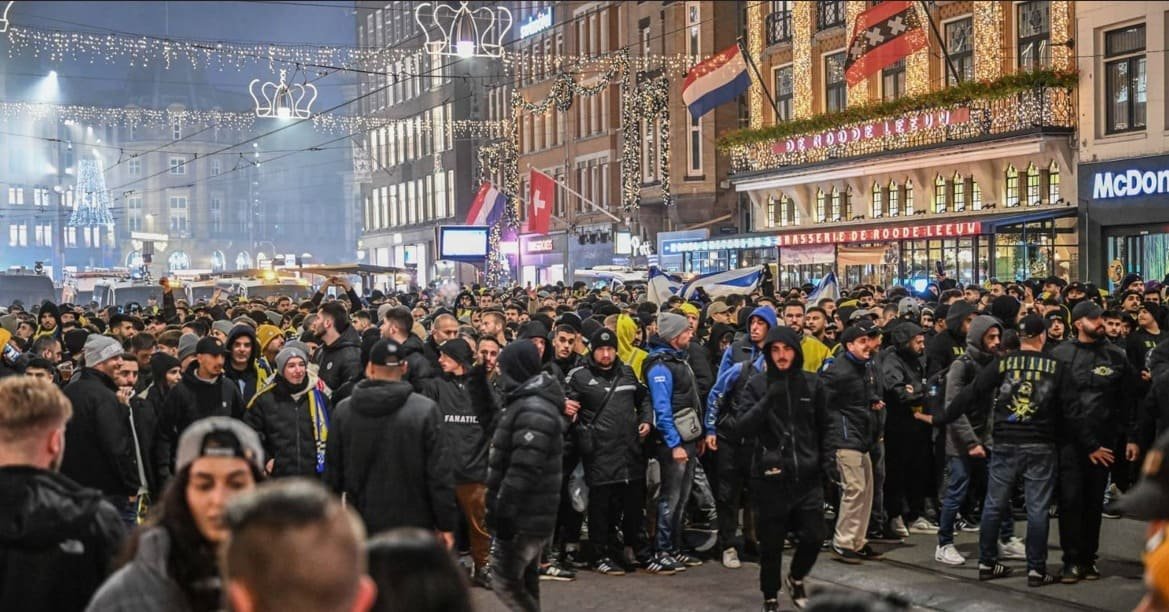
[[100, 348], [223, 326], [75, 340], [187, 344], [265, 334], [286, 353], [602, 338], [459, 350], [160, 364], [519, 361], [671, 326]]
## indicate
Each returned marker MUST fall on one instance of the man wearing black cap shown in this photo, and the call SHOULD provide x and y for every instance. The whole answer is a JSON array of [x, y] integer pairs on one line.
[[386, 453], [203, 392], [467, 412], [1104, 383], [1033, 394]]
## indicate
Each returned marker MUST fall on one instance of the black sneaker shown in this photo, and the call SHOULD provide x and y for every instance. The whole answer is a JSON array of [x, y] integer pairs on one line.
[[687, 560], [770, 605], [481, 578], [554, 571], [660, 563], [607, 567], [799, 596], [571, 559], [1091, 572], [1035, 579], [1071, 574], [993, 573], [850, 557], [868, 554], [964, 525]]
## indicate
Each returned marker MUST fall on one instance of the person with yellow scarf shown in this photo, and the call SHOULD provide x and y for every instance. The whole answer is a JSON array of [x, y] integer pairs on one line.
[[291, 415]]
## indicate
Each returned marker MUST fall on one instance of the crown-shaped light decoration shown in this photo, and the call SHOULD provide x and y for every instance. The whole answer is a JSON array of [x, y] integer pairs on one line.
[[283, 101], [4, 15], [464, 32], [93, 205]]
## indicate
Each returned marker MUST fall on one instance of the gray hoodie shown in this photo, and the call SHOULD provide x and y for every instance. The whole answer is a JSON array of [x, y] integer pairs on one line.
[[143, 584], [973, 429]]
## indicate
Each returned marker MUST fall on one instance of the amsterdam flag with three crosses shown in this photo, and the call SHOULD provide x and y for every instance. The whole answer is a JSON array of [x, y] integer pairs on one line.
[[883, 35]]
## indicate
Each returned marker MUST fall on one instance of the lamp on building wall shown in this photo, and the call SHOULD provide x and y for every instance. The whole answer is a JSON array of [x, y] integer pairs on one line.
[[463, 32]]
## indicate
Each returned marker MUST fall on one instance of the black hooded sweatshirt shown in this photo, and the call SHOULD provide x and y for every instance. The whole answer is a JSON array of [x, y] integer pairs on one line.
[[945, 347], [246, 380], [190, 400], [57, 540]]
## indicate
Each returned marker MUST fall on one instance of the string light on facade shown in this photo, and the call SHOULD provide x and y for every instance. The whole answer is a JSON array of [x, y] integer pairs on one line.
[[93, 201], [988, 40], [281, 100], [755, 19], [802, 59], [464, 32]]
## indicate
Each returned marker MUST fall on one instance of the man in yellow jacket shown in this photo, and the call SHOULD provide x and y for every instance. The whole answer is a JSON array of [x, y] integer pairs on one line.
[[815, 352], [630, 355]]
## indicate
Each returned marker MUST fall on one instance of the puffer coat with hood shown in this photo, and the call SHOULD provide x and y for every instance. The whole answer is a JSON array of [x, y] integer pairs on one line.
[[340, 362], [945, 347], [974, 428], [630, 355], [57, 540], [743, 349]]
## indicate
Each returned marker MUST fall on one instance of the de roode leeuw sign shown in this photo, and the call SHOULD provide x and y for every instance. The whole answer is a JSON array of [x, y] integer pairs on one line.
[[1129, 183], [876, 129]]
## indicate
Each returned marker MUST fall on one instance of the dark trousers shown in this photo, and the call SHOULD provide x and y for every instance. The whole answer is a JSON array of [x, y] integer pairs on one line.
[[877, 515], [677, 479], [515, 568], [610, 505], [568, 520], [908, 470], [734, 468], [1081, 505], [776, 512], [1035, 464]]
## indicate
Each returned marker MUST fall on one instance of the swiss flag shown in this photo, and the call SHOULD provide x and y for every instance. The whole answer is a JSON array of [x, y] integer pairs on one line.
[[541, 199]]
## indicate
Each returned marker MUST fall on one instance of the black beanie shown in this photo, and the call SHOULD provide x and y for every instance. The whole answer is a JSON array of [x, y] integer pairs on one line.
[[75, 340], [459, 350], [519, 361], [160, 364], [603, 337]]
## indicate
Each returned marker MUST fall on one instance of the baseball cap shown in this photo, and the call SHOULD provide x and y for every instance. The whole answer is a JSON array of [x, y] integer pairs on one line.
[[1149, 499], [1086, 310], [386, 352], [857, 330], [210, 346], [1032, 326], [717, 308], [219, 437]]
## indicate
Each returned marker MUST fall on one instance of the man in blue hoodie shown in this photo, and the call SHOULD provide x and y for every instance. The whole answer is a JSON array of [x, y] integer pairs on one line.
[[676, 404]]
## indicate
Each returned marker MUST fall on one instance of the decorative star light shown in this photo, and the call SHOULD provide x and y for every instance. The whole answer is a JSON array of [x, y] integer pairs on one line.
[[464, 32], [283, 101], [4, 15]]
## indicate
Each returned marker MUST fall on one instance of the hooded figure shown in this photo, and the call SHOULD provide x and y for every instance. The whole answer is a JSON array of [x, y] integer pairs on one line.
[[48, 321], [972, 429], [252, 376], [630, 355], [951, 343]]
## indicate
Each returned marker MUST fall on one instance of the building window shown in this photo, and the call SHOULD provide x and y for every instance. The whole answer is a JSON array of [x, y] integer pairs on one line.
[[940, 194], [216, 215], [1012, 187], [894, 199], [835, 94], [693, 19], [645, 41], [829, 14], [649, 158], [44, 235], [877, 210], [694, 168], [1034, 26], [18, 235], [216, 167], [893, 81], [1053, 183], [178, 165], [176, 131], [1125, 84], [821, 207], [779, 22], [784, 93], [134, 224], [975, 195], [837, 211], [960, 44], [959, 193], [134, 166], [909, 210], [16, 195], [1033, 185], [789, 214]]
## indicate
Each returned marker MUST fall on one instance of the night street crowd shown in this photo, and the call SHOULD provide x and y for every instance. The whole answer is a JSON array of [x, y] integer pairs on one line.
[[390, 451]]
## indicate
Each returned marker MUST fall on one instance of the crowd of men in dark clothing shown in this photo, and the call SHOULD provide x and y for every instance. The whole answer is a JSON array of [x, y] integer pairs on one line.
[[548, 431]]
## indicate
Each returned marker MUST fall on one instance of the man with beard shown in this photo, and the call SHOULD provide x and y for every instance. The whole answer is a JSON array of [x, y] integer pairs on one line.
[[397, 324], [242, 368], [339, 358], [59, 536], [814, 352], [816, 325], [1104, 383], [908, 442]]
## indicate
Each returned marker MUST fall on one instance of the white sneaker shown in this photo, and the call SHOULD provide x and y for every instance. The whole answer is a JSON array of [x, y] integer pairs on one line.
[[1012, 549], [897, 526], [731, 559], [923, 525], [949, 555]]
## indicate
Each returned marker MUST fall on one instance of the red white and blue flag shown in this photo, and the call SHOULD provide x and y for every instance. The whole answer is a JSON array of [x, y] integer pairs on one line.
[[487, 207], [716, 81]]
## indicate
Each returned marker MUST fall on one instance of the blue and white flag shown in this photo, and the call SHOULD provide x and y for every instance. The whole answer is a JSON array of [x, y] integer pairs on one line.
[[828, 288], [661, 286], [720, 284]]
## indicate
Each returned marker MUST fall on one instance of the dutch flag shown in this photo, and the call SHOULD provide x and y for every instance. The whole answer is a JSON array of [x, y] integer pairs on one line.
[[487, 207], [719, 284], [716, 81]]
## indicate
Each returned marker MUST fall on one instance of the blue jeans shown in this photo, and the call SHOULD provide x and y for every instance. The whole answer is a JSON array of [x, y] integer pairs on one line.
[[1036, 464], [958, 484], [677, 479]]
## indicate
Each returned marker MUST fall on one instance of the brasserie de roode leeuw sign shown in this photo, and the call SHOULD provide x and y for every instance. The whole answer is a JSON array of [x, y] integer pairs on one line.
[[881, 234], [900, 126]]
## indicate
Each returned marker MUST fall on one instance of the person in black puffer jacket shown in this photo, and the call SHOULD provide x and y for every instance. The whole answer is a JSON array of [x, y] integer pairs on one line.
[[288, 415], [908, 442], [385, 451], [523, 475], [203, 392], [145, 408], [339, 357], [785, 412], [612, 432], [945, 347]]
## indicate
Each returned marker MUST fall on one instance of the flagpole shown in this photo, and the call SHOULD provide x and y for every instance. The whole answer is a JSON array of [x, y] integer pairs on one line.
[[941, 41], [758, 76], [579, 195]]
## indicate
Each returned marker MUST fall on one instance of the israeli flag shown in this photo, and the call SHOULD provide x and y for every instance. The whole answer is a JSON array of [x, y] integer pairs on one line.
[[828, 288], [720, 284], [661, 286]]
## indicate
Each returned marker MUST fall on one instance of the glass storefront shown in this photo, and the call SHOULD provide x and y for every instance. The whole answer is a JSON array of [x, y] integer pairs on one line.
[[1141, 250], [958, 256], [1037, 249]]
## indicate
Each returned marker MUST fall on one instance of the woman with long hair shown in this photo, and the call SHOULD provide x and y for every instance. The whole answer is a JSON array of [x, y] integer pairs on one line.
[[414, 572], [171, 561]]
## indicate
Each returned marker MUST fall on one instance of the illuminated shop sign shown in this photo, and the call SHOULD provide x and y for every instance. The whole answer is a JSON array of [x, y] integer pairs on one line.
[[877, 129], [536, 23], [1129, 183], [538, 245], [872, 234]]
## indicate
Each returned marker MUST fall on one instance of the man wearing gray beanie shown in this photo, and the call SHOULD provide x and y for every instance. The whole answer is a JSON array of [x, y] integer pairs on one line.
[[677, 415], [187, 344]]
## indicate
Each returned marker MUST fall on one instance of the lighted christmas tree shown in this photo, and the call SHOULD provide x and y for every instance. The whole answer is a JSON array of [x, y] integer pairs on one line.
[[93, 201]]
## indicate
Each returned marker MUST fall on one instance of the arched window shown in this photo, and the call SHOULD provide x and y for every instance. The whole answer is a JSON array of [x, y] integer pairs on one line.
[[218, 261], [975, 195], [770, 216], [243, 261], [178, 260], [836, 211], [789, 213], [1053, 183], [909, 210], [821, 207], [894, 199], [1033, 185], [959, 193], [939, 194], [1012, 187], [878, 208], [846, 206]]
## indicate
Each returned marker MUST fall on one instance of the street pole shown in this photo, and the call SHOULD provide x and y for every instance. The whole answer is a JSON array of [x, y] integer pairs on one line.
[[941, 42]]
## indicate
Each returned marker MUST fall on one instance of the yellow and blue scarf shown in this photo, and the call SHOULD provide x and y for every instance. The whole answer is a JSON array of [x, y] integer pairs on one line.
[[318, 410]]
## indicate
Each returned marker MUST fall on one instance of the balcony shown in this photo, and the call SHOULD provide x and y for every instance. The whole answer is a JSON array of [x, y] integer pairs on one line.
[[906, 125], [779, 27]]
